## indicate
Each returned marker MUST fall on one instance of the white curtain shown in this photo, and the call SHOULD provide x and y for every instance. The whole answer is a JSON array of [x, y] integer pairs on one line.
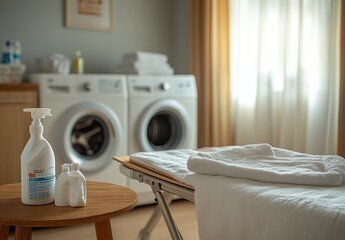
[[285, 73]]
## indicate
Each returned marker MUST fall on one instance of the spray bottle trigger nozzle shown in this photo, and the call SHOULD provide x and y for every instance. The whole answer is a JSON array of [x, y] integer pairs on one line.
[[37, 114]]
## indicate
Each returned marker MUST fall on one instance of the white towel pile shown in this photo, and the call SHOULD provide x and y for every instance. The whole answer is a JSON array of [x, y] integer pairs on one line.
[[171, 162], [12, 73], [260, 162], [263, 162], [144, 63], [288, 199]]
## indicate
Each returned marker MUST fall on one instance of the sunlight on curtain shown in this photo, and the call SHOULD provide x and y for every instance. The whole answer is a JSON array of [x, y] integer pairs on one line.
[[285, 73], [209, 62]]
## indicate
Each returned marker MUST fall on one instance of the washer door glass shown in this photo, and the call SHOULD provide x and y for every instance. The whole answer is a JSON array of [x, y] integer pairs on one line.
[[164, 126], [89, 137], [91, 134], [164, 131]]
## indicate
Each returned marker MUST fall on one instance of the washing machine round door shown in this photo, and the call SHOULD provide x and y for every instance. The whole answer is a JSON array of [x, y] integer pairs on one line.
[[90, 134], [163, 126]]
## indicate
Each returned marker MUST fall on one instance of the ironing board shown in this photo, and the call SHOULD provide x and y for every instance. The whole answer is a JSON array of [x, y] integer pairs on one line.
[[164, 188]]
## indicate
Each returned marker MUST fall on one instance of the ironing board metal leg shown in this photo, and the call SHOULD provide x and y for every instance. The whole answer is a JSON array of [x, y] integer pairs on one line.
[[158, 186], [174, 233], [156, 215]]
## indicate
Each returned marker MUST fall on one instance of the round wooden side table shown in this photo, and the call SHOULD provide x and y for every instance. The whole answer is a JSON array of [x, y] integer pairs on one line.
[[104, 200]]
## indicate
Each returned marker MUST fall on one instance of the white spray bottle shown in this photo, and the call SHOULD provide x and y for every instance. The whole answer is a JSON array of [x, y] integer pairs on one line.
[[37, 163]]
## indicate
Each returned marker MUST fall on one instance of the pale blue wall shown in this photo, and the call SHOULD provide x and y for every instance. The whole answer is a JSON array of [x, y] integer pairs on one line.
[[150, 25]]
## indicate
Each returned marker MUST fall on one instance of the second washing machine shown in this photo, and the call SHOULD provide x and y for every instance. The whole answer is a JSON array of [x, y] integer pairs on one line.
[[88, 123], [162, 116]]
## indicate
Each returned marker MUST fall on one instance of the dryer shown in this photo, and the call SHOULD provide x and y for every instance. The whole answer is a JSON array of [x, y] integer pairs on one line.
[[162, 116], [88, 123]]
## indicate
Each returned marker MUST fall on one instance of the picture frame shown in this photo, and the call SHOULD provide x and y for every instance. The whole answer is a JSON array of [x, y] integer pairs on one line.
[[90, 14]]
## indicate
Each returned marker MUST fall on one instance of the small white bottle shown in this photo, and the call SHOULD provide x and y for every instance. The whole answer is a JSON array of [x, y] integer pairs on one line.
[[17, 52], [37, 163], [78, 191], [62, 187]]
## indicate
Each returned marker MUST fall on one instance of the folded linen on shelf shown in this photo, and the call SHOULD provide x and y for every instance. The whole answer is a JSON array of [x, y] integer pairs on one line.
[[141, 64], [12, 73], [142, 68], [143, 56], [144, 63], [262, 162]]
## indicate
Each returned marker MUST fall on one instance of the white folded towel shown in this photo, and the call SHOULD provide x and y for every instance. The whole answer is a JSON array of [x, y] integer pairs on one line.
[[144, 71], [144, 63], [140, 64], [143, 56], [262, 162], [170, 162], [144, 68], [235, 208]]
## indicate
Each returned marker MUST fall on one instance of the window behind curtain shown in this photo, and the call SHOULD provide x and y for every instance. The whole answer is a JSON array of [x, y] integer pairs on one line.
[[285, 73]]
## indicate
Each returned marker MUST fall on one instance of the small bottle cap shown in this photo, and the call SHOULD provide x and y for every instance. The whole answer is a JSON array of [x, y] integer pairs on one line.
[[65, 169], [66, 165], [75, 166]]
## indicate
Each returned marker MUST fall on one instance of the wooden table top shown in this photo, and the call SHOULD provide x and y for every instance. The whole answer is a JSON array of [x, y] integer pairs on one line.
[[104, 200]]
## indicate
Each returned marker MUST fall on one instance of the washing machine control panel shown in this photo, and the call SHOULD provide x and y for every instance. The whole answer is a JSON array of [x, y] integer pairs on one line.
[[165, 86], [87, 86], [176, 85], [111, 86], [102, 85], [185, 87]]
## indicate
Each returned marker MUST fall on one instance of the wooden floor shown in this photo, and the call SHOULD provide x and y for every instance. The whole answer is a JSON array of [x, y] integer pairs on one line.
[[128, 225]]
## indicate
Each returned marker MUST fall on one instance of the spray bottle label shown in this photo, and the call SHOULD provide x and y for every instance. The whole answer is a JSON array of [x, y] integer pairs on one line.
[[41, 183]]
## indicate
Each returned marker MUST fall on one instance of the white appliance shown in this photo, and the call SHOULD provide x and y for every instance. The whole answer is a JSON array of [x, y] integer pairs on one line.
[[162, 116], [88, 123]]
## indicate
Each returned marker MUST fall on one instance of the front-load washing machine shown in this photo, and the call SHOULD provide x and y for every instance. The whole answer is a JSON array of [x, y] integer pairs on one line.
[[88, 123], [162, 116]]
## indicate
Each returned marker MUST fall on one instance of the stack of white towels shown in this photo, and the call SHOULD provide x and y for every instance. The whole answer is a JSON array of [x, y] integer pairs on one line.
[[12, 73], [144, 63]]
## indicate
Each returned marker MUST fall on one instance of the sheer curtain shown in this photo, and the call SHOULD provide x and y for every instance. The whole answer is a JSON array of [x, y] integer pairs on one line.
[[285, 73], [341, 128]]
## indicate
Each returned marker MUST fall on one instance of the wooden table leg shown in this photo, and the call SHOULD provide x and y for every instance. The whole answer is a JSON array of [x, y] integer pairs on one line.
[[103, 230], [4, 229], [22, 233]]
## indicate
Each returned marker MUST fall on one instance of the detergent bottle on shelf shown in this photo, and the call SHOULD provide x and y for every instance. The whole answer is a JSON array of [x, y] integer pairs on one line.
[[77, 183], [17, 52], [37, 163], [62, 187], [7, 53], [78, 63]]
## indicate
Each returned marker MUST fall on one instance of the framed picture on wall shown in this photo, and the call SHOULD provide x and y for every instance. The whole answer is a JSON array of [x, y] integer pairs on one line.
[[90, 14]]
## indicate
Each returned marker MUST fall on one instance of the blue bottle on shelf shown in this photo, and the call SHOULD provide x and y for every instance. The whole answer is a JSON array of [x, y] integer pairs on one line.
[[7, 54]]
